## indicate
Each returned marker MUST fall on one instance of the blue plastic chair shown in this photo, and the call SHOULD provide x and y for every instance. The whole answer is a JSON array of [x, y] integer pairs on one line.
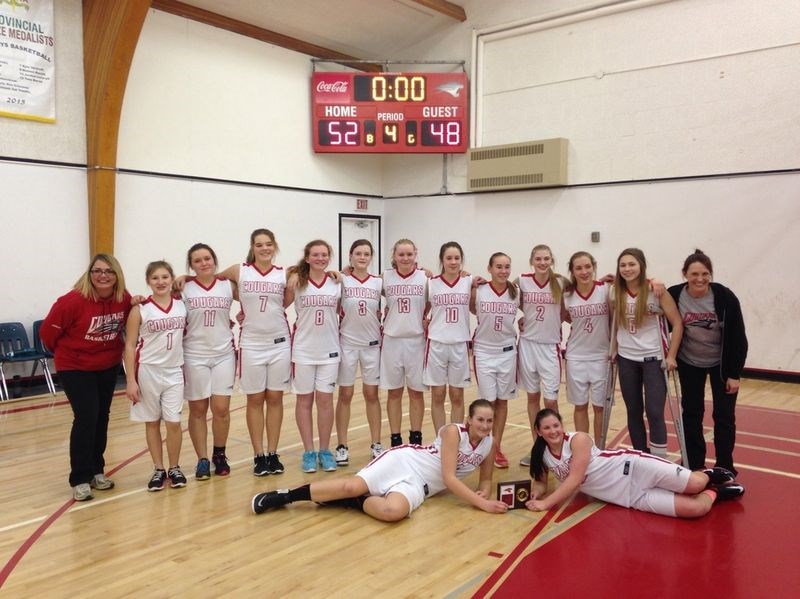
[[15, 347]]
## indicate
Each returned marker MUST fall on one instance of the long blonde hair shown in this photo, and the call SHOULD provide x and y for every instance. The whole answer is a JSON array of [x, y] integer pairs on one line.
[[84, 284], [401, 242], [621, 290], [302, 268], [555, 287]]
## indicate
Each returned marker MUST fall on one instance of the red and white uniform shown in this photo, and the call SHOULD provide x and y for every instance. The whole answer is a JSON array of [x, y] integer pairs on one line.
[[645, 341], [208, 320], [588, 345], [495, 343], [264, 340], [403, 350], [360, 329], [209, 361], [415, 471], [446, 354], [539, 365], [158, 359], [316, 330], [624, 477]]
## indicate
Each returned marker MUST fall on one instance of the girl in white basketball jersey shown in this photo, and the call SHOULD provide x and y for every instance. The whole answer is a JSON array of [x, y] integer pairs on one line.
[[153, 360], [494, 344], [402, 354], [360, 331], [209, 360], [587, 356], [446, 352], [539, 365], [265, 346], [395, 483], [623, 477], [642, 343], [316, 351]]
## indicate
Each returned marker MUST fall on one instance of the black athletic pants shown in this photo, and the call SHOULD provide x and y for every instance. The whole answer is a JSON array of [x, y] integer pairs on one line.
[[89, 394], [693, 387]]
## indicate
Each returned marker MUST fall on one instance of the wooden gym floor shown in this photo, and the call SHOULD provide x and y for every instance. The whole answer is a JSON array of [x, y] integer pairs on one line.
[[204, 541]]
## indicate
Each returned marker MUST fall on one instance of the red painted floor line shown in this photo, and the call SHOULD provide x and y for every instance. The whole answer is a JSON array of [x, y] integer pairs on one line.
[[39, 406], [28, 543]]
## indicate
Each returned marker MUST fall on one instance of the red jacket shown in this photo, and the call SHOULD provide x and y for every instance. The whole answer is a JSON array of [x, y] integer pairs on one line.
[[86, 334]]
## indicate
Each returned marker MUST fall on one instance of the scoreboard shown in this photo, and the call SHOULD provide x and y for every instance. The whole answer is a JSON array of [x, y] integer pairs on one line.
[[390, 112]]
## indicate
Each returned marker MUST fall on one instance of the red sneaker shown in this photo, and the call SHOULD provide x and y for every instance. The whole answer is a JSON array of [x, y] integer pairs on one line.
[[500, 460]]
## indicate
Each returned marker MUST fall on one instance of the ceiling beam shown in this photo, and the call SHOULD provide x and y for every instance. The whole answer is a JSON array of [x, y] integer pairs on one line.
[[207, 17], [454, 11]]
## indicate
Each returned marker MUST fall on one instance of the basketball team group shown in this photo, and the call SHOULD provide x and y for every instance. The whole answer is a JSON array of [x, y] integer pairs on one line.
[[408, 329]]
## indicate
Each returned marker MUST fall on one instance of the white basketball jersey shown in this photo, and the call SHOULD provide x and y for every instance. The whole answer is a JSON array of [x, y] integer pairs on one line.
[[609, 474], [316, 330], [208, 329], [647, 340], [405, 300], [426, 460], [161, 333], [449, 309], [589, 335], [361, 305], [496, 313], [542, 313], [261, 297]]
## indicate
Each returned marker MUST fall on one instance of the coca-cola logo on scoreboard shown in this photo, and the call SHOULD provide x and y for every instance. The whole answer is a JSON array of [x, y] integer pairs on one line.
[[333, 88]]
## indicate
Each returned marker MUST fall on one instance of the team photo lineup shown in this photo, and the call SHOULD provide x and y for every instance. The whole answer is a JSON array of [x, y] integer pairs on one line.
[[409, 329]]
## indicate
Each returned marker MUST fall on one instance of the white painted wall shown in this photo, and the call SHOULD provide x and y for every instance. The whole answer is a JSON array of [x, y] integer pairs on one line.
[[747, 225]]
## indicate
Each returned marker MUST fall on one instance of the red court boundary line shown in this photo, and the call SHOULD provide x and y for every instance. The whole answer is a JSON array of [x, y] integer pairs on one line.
[[28, 543], [41, 406]]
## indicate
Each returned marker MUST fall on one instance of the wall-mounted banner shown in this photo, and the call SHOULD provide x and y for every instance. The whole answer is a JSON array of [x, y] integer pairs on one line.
[[27, 60]]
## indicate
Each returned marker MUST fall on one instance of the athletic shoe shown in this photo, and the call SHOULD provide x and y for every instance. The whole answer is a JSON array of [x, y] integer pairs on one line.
[[525, 461], [310, 461], [269, 500], [500, 460], [415, 437], [158, 480], [342, 455], [176, 477], [221, 467], [260, 467], [396, 439], [82, 492], [274, 465], [377, 449], [101, 483], [729, 491], [203, 469], [719, 476], [326, 461]]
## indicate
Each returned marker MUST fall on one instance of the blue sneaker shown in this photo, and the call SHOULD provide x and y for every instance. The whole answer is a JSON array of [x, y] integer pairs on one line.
[[203, 470], [310, 461], [326, 461]]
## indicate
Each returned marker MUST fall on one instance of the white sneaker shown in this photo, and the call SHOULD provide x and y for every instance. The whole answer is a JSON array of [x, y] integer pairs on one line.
[[342, 455], [377, 449], [82, 492], [101, 483], [526, 461]]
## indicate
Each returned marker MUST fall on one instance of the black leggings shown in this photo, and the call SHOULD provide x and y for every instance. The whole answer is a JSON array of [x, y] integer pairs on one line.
[[89, 394]]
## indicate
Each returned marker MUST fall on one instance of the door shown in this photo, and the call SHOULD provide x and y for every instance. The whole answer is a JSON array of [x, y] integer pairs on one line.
[[359, 226]]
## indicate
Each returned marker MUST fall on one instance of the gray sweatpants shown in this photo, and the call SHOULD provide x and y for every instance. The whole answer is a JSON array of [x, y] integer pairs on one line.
[[633, 377]]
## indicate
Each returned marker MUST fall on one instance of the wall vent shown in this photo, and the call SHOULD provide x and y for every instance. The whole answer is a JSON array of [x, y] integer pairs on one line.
[[541, 163]]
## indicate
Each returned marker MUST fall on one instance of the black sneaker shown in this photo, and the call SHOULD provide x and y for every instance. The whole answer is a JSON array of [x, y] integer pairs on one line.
[[729, 491], [176, 477], [415, 437], [396, 439], [274, 465], [260, 467], [158, 480], [269, 500], [719, 476], [221, 466]]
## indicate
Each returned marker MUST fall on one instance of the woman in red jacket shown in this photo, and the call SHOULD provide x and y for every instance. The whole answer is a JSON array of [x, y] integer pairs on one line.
[[84, 331]]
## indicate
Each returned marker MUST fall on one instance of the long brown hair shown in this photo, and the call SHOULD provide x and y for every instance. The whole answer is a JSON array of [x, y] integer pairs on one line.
[[302, 268], [573, 282], [621, 290], [251, 255], [512, 289]]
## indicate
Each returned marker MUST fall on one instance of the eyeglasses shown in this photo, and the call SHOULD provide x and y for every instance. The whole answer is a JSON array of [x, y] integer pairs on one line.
[[103, 271]]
